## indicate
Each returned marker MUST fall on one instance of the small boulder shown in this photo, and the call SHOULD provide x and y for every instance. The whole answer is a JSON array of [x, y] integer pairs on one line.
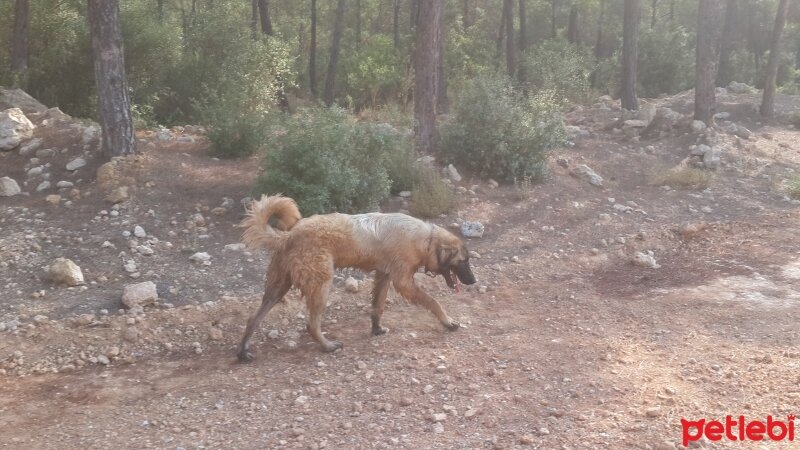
[[14, 128], [351, 285], [452, 173], [43, 186], [30, 147], [711, 159], [139, 294], [585, 172], [472, 229], [118, 195], [76, 164], [698, 126], [740, 88], [9, 187], [645, 260], [200, 257], [65, 271]]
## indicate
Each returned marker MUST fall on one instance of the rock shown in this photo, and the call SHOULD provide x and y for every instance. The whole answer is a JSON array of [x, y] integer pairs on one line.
[[90, 133], [219, 211], [76, 164], [653, 412], [186, 139], [17, 98], [351, 285], [472, 229], [404, 194], [690, 230], [698, 126], [53, 199], [64, 271], [30, 147], [200, 257], [238, 247], [139, 294], [215, 334], [452, 173], [742, 132], [644, 260], [44, 185], [440, 417], [711, 159], [722, 115], [164, 134], [438, 428], [739, 88], [45, 153], [118, 195], [700, 149], [9, 187], [130, 334], [426, 160], [84, 319], [139, 232], [35, 171], [64, 184], [527, 439], [470, 413], [586, 173], [14, 128], [664, 121], [492, 184], [634, 123]]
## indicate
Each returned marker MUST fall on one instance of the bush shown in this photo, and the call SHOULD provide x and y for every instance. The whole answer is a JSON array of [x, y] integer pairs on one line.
[[374, 73], [681, 177], [666, 61], [327, 162], [562, 68], [430, 196], [497, 132]]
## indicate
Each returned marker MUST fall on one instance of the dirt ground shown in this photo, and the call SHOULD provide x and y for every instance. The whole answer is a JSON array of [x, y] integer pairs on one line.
[[567, 344]]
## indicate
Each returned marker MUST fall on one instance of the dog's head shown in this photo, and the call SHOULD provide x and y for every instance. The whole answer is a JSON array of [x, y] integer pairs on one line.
[[452, 261]]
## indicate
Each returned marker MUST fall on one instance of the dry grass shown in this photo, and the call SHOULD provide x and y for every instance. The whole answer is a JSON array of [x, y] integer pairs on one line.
[[430, 197], [793, 187], [681, 177]]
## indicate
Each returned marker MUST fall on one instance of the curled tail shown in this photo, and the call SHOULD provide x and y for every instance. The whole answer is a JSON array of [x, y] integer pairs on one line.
[[258, 232]]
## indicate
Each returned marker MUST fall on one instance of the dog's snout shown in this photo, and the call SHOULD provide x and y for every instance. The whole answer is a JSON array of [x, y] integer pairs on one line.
[[464, 273]]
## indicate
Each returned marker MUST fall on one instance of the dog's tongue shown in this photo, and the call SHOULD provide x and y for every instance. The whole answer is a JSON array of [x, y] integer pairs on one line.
[[456, 282]]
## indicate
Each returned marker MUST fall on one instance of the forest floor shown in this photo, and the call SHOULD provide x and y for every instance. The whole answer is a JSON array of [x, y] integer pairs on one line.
[[571, 345]]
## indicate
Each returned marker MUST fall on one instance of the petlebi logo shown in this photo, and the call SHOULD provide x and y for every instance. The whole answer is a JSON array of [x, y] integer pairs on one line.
[[739, 429]]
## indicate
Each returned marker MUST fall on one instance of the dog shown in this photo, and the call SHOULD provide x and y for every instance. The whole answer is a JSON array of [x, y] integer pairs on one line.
[[305, 252]]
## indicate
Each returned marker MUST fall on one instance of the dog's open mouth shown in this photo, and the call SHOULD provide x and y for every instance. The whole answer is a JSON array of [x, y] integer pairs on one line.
[[452, 280]]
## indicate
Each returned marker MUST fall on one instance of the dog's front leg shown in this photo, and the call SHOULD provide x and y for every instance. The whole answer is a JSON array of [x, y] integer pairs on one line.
[[413, 293], [379, 292]]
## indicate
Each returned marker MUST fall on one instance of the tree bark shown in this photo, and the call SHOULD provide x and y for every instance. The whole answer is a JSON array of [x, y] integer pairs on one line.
[[729, 32], [396, 24], [426, 60], [511, 53], [312, 52], [598, 45], [523, 42], [554, 9], [254, 19], [501, 33], [466, 18], [768, 99], [630, 54], [113, 104], [20, 42], [330, 76], [442, 102], [654, 14], [358, 25], [160, 11], [573, 34], [709, 31], [413, 13], [266, 22]]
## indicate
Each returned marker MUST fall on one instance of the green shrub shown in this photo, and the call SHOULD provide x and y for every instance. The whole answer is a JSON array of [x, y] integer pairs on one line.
[[562, 68], [793, 187], [430, 196], [402, 169], [327, 162], [374, 73], [666, 61], [499, 133]]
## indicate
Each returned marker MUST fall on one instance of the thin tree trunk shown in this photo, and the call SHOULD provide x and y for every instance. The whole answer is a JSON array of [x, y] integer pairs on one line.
[[266, 22], [113, 104], [511, 53], [523, 42], [573, 34], [160, 11], [630, 52], [598, 45], [20, 41], [330, 76], [768, 100], [312, 52], [254, 19], [501, 33], [426, 57], [358, 25], [442, 102], [554, 9], [413, 13], [729, 32], [654, 14], [709, 31], [465, 15], [396, 24]]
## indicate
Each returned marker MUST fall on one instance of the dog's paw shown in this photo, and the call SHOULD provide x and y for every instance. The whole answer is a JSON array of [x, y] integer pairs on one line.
[[331, 346], [377, 331], [453, 325], [245, 356]]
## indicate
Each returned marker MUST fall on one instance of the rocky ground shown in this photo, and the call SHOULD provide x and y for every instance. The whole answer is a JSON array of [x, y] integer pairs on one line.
[[654, 277]]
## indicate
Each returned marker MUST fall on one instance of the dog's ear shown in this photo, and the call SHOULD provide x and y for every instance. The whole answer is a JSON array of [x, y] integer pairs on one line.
[[444, 255]]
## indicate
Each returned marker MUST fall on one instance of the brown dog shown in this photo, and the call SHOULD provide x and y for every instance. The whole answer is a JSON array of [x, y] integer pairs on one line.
[[305, 253]]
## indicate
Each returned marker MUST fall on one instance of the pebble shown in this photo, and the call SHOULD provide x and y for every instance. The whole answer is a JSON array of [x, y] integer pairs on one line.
[[139, 232]]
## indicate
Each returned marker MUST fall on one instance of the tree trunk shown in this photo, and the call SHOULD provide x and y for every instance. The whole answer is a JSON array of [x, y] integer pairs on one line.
[[442, 102], [523, 42], [413, 13], [511, 53], [501, 33], [396, 24], [768, 100], [358, 25], [426, 57], [554, 9], [254, 19], [598, 45], [330, 76], [573, 34], [266, 22], [312, 52], [160, 11], [465, 15], [113, 104], [630, 54], [19, 46], [729, 32], [709, 31], [653, 14]]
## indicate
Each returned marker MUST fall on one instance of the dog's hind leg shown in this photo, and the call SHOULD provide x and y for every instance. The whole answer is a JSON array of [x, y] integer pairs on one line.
[[379, 291], [273, 293], [408, 288], [315, 300]]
